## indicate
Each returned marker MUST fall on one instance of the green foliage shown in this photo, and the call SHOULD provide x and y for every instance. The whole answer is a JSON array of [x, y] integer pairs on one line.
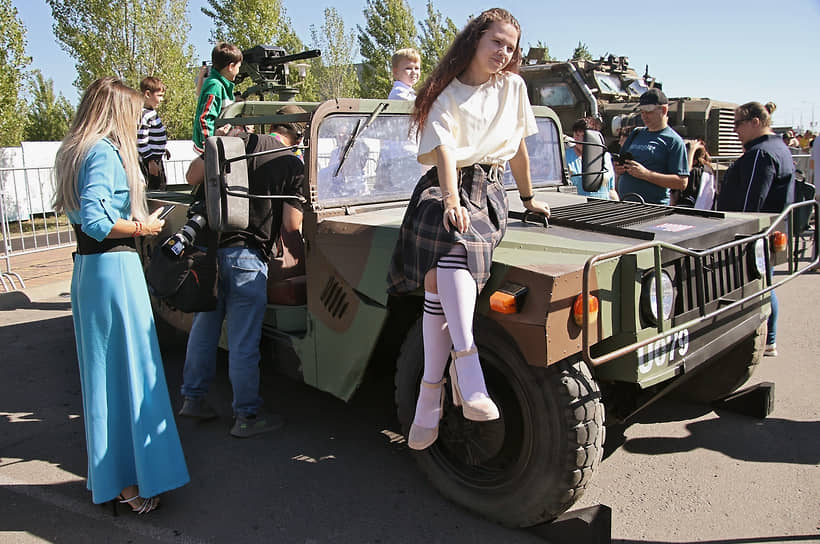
[[333, 74], [435, 38], [540, 52], [132, 39], [48, 115], [13, 66], [390, 26], [581, 52], [248, 23]]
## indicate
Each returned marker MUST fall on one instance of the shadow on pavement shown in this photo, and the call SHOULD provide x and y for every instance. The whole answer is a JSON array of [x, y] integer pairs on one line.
[[18, 300], [334, 473], [771, 440]]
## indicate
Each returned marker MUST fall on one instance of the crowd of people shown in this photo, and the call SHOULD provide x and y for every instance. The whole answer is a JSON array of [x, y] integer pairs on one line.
[[471, 116]]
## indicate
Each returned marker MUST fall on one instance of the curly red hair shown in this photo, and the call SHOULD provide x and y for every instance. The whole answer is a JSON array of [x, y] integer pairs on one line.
[[458, 58]]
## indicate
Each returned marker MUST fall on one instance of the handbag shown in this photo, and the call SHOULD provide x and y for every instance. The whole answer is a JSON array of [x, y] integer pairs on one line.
[[187, 283]]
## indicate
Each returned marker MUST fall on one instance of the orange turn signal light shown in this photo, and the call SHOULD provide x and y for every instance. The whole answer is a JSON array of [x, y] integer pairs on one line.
[[779, 241], [508, 299], [578, 309]]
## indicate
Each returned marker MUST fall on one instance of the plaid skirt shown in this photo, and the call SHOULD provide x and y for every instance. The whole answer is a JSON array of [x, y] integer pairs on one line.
[[423, 238]]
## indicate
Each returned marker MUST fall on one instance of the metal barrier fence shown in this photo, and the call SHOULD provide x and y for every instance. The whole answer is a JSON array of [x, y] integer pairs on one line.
[[28, 222], [802, 162]]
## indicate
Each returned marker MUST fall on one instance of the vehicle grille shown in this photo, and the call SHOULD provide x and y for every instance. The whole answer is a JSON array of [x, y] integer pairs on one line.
[[611, 217], [728, 142], [722, 273], [334, 298]]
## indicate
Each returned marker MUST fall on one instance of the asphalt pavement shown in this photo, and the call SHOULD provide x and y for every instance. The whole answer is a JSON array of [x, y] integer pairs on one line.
[[341, 472]]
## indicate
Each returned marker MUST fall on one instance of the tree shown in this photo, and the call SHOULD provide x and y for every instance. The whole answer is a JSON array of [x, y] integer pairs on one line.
[[13, 72], [540, 52], [48, 115], [436, 35], [581, 52], [333, 73], [132, 39], [390, 26], [248, 23]]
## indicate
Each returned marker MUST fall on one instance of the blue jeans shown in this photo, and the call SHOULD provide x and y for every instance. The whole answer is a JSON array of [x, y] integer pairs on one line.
[[243, 280], [771, 325]]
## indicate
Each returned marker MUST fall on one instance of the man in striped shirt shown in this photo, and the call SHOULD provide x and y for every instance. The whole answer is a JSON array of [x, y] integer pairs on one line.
[[151, 136]]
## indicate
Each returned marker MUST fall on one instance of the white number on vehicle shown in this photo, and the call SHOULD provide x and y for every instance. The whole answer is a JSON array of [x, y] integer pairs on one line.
[[663, 351]]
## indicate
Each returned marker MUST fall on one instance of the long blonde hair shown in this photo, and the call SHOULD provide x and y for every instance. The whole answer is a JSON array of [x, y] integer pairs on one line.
[[109, 109]]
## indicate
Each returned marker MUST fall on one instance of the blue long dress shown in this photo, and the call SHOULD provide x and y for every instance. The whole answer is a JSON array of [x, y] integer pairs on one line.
[[131, 435]]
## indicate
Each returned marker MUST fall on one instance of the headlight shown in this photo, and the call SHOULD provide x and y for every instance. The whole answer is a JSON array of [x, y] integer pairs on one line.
[[649, 297], [757, 262]]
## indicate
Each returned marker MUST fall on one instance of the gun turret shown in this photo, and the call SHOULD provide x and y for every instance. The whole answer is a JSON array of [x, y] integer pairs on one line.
[[267, 67]]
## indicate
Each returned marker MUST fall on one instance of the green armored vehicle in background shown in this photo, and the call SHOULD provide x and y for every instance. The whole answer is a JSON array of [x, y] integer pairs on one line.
[[601, 310], [609, 89]]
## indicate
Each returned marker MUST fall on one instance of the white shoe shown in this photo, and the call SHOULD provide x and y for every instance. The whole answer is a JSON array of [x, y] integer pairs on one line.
[[420, 437], [480, 409]]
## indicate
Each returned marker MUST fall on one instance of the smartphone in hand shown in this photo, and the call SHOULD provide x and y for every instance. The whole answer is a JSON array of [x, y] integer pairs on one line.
[[166, 210]]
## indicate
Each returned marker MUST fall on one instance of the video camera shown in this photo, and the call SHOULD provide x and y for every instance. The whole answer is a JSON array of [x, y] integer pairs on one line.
[[183, 238]]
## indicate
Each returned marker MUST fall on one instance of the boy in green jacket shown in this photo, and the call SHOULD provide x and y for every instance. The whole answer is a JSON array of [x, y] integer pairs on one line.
[[217, 91]]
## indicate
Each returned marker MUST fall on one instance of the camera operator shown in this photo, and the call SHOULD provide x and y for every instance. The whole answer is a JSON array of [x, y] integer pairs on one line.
[[243, 258], [658, 157]]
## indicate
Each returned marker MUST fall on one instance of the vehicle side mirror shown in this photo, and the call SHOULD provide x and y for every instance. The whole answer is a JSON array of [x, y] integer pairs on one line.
[[592, 161], [226, 183]]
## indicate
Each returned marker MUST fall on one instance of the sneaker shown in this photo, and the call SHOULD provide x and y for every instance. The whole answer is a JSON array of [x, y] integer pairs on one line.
[[770, 351], [245, 427], [198, 408]]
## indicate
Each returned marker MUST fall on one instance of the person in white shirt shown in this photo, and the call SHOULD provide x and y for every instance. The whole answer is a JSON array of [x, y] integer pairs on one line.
[[472, 115], [406, 65]]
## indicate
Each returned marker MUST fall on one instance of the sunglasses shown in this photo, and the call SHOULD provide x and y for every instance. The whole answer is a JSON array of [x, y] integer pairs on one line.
[[739, 122], [648, 108]]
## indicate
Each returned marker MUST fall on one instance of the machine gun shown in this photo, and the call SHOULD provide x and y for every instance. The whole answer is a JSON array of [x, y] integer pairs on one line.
[[267, 66]]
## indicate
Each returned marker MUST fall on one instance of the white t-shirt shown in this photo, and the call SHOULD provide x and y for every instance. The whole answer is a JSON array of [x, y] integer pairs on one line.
[[480, 124], [401, 91], [706, 194]]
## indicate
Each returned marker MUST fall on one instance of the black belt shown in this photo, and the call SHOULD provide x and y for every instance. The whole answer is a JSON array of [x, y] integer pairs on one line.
[[86, 245]]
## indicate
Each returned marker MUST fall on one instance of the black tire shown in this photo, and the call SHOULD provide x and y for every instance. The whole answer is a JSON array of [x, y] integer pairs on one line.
[[535, 462], [724, 374]]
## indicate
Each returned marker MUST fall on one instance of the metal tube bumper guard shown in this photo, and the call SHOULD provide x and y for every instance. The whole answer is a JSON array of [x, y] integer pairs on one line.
[[663, 326]]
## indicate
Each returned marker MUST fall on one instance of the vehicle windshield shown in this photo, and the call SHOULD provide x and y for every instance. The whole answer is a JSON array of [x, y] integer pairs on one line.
[[556, 94], [609, 83], [381, 164], [638, 87]]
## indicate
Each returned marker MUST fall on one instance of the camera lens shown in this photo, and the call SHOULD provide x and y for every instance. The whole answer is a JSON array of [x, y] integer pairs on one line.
[[184, 237]]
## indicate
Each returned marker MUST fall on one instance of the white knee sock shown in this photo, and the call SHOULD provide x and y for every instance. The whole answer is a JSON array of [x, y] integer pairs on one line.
[[436, 349], [458, 293], [436, 338]]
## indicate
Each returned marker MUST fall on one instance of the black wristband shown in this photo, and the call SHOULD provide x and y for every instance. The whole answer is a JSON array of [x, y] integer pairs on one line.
[[526, 198]]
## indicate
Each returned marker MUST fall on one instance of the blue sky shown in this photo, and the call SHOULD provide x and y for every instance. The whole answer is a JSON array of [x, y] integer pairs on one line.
[[733, 51]]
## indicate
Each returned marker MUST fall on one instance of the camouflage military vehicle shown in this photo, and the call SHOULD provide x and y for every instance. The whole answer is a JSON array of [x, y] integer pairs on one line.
[[609, 89], [587, 318]]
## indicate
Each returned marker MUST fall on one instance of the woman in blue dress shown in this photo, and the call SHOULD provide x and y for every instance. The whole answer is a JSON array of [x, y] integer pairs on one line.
[[134, 452]]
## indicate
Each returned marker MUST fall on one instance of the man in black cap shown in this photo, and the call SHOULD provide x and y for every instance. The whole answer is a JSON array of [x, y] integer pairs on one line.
[[658, 161]]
